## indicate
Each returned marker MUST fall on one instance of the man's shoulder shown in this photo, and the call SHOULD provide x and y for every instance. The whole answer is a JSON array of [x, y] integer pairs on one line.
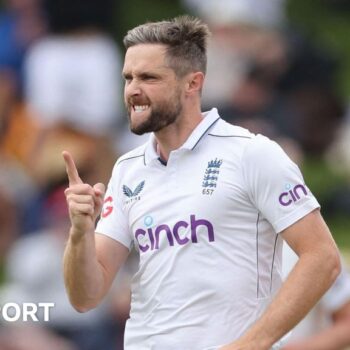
[[226, 130], [252, 146], [232, 137], [128, 161], [137, 153]]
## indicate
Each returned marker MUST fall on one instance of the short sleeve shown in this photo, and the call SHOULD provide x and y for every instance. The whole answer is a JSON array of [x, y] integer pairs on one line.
[[275, 184], [113, 221]]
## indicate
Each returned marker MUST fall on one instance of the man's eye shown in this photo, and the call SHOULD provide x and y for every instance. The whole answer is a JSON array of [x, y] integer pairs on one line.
[[149, 77]]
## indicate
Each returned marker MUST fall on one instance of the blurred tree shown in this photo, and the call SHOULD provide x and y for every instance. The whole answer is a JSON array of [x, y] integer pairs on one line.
[[327, 22], [327, 25]]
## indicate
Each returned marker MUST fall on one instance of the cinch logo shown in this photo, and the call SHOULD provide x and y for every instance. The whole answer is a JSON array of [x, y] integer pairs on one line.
[[293, 195], [149, 239]]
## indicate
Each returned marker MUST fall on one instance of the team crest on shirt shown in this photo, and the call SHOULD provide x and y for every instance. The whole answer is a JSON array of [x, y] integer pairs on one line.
[[133, 195], [211, 176]]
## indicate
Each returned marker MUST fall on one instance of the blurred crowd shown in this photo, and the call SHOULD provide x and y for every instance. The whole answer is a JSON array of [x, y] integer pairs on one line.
[[61, 88]]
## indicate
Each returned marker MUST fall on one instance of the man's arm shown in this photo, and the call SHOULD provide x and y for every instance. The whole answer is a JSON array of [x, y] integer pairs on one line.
[[91, 260], [316, 270]]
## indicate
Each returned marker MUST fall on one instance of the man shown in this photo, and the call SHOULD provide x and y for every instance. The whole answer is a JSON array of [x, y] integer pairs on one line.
[[205, 204]]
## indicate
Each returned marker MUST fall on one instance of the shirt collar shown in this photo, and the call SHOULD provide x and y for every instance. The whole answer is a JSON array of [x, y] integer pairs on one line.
[[209, 119]]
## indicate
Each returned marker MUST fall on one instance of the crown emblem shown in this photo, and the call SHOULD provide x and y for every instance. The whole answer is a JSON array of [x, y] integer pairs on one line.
[[211, 176], [215, 163]]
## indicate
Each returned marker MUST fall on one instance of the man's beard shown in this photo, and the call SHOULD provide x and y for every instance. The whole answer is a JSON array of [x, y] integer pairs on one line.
[[161, 115]]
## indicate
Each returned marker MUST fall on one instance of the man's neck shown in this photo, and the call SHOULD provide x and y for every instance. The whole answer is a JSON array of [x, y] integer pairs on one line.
[[175, 135]]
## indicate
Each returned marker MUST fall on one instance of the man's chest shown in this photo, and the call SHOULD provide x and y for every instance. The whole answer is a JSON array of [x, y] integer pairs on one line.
[[179, 201]]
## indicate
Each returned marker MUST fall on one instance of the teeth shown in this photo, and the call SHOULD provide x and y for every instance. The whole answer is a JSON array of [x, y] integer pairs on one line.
[[141, 108]]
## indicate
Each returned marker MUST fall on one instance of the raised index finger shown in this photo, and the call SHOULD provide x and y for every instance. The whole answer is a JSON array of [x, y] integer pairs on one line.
[[72, 172]]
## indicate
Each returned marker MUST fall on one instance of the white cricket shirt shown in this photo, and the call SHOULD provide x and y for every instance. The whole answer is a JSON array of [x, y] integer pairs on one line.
[[206, 227]]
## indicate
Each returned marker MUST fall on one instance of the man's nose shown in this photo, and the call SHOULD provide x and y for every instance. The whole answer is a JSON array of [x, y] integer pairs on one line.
[[132, 88]]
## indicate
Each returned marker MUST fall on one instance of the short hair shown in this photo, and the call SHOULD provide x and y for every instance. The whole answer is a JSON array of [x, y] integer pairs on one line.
[[184, 37]]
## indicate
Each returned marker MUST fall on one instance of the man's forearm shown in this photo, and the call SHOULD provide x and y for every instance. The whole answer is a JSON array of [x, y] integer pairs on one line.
[[83, 275], [308, 281], [296, 297]]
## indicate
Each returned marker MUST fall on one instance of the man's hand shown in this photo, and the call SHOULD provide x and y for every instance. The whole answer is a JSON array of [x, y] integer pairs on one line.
[[90, 260], [84, 201]]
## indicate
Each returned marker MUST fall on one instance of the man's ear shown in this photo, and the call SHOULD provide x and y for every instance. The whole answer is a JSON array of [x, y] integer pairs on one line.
[[194, 83]]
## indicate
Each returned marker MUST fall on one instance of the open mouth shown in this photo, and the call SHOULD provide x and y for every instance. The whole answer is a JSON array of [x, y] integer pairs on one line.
[[140, 108]]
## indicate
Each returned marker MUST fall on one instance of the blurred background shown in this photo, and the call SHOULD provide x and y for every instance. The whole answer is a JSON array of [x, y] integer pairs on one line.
[[277, 67]]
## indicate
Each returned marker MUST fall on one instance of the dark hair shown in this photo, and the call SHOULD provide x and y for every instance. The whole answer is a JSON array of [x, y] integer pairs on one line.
[[185, 38]]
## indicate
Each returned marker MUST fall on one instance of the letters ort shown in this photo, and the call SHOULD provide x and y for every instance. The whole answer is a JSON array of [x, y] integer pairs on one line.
[[12, 312], [176, 235]]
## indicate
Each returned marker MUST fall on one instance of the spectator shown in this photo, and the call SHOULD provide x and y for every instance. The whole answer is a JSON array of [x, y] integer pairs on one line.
[[73, 75]]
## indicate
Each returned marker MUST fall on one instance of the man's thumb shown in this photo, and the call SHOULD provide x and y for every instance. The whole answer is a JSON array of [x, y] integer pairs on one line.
[[99, 188]]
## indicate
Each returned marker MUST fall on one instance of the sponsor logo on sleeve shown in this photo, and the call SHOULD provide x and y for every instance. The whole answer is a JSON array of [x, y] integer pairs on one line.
[[292, 194]]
